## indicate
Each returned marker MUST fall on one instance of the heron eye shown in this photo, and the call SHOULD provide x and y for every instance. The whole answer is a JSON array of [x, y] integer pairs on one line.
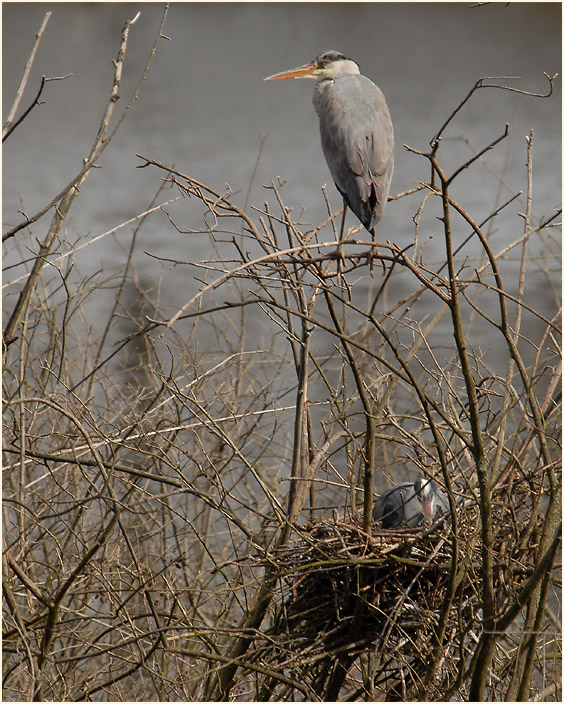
[[323, 64]]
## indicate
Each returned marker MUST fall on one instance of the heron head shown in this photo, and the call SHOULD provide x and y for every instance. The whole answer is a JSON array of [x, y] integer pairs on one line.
[[329, 64], [426, 490]]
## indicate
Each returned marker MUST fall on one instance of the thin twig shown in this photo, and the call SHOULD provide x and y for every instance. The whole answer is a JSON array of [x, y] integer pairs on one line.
[[9, 129], [480, 84], [11, 116]]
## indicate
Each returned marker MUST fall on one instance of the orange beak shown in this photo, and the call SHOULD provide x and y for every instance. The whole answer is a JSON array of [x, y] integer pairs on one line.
[[306, 71]]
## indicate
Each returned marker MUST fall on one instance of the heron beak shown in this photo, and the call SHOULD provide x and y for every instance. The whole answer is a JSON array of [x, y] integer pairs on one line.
[[427, 511], [306, 71]]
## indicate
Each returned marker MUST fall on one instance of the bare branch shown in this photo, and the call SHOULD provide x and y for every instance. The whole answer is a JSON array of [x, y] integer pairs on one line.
[[19, 95], [9, 128], [480, 84]]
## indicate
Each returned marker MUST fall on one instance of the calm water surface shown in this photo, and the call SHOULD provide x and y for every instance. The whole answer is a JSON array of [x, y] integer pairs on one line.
[[205, 108]]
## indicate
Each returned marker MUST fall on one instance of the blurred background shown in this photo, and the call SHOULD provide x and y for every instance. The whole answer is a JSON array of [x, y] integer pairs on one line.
[[205, 109]]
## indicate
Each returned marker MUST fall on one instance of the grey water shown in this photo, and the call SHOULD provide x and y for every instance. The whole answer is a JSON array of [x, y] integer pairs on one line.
[[206, 109]]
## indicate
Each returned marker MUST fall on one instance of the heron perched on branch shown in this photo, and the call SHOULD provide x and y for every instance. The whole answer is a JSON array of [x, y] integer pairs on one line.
[[356, 133], [411, 504]]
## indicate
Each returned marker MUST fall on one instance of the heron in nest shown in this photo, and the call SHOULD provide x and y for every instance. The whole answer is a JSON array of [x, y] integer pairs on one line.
[[411, 504]]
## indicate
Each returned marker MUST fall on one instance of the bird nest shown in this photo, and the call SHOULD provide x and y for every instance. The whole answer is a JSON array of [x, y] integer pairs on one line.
[[397, 578], [389, 616], [344, 592]]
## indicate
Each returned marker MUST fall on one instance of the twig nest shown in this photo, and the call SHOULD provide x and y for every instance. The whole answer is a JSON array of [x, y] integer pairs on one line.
[[396, 577]]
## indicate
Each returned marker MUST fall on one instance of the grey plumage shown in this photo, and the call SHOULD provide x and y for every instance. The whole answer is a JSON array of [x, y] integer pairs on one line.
[[358, 143], [410, 504], [357, 136]]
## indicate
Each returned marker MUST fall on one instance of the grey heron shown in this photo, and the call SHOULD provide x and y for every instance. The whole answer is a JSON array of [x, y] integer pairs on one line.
[[357, 136], [410, 504]]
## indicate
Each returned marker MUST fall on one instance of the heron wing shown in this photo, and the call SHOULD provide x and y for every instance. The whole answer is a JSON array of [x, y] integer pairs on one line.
[[358, 143], [393, 507]]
